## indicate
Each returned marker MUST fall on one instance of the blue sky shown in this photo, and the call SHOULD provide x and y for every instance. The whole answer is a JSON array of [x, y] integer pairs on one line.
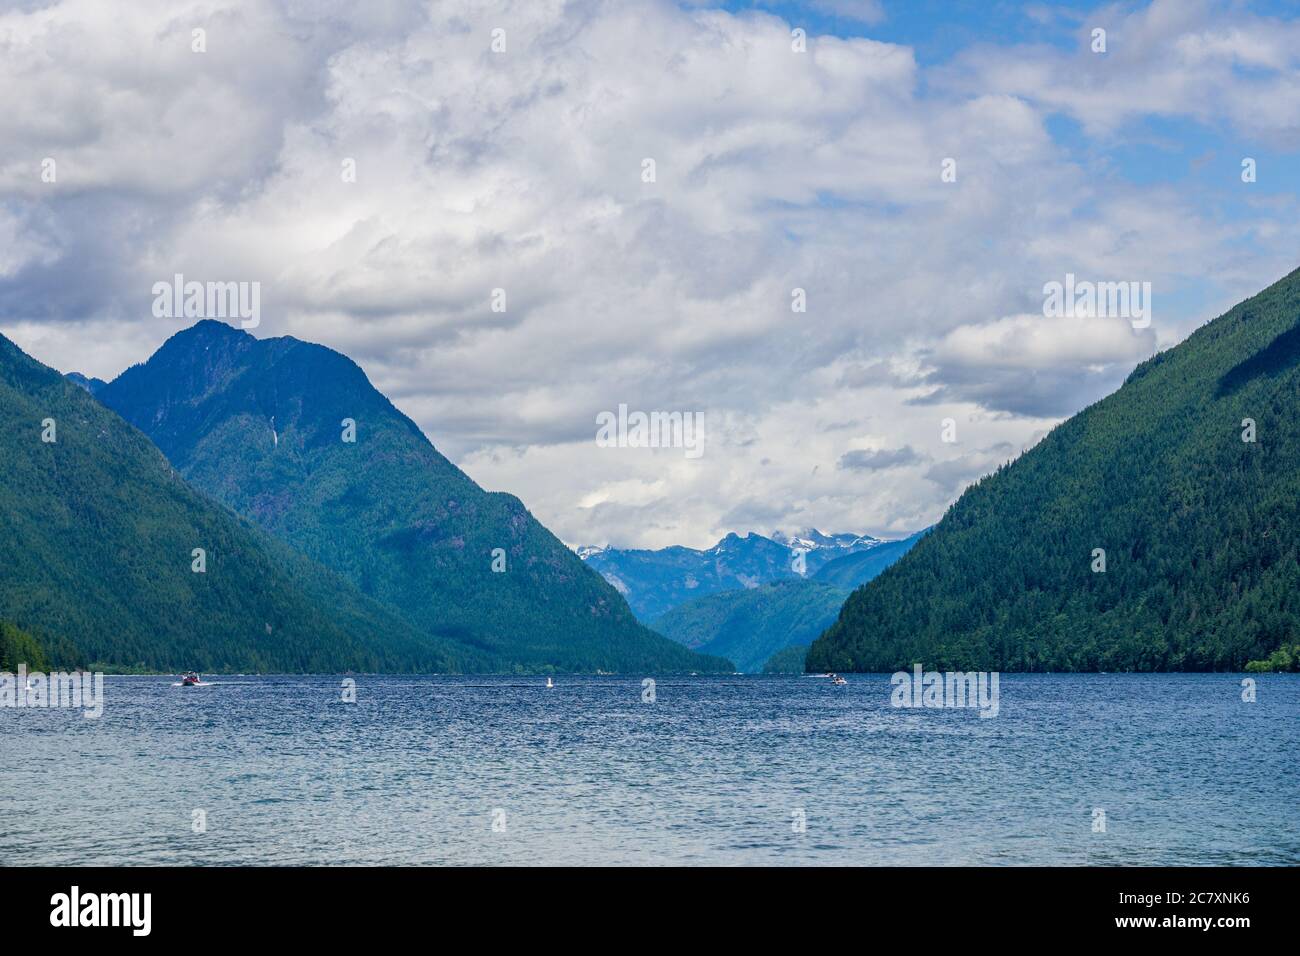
[[1155, 149], [940, 29]]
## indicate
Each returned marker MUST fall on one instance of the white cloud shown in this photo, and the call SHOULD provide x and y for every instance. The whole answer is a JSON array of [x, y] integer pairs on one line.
[[1037, 341], [522, 170], [1199, 59]]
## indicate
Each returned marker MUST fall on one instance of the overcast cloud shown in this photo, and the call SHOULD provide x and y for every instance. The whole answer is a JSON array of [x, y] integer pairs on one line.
[[775, 170]]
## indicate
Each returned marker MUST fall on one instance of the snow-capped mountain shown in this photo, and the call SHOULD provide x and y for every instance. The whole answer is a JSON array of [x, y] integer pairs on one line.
[[810, 539], [656, 581]]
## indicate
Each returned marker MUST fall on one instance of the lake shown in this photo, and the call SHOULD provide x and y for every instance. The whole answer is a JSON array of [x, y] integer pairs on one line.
[[1178, 769]]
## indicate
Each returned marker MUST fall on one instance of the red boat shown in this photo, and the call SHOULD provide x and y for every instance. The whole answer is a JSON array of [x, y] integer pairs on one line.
[[190, 680]]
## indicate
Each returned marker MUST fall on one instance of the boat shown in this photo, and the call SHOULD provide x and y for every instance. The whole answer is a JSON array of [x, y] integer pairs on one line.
[[549, 683], [190, 680], [838, 680]]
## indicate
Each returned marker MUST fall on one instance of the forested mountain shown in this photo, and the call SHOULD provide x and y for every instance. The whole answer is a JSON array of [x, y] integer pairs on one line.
[[789, 660], [749, 625], [1200, 529], [91, 385], [19, 647], [294, 436], [97, 563], [655, 581]]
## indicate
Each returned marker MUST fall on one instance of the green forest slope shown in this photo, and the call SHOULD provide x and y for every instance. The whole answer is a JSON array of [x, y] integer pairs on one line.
[[1201, 530], [97, 533]]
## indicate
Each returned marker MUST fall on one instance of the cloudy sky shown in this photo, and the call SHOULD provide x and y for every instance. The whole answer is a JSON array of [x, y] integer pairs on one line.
[[778, 165]]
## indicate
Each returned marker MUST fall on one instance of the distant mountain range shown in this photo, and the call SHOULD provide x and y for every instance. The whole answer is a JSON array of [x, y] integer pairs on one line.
[[1158, 529], [654, 582], [745, 598]]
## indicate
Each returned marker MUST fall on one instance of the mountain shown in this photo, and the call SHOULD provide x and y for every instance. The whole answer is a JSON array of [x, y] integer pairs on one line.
[[810, 539], [859, 567], [749, 625], [789, 660], [19, 647], [91, 385], [654, 582], [1200, 528], [97, 533], [293, 436]]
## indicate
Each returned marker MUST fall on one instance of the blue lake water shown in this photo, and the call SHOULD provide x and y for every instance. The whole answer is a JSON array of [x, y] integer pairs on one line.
[[715, 770]]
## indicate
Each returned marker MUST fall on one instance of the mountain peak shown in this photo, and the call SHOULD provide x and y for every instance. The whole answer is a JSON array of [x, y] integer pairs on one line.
[[813, 538], [217, 327], [208, 331], [213, 371], [91, 385]]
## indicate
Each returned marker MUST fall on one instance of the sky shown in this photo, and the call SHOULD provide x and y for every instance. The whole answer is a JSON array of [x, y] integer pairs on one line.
[[381, 170]]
